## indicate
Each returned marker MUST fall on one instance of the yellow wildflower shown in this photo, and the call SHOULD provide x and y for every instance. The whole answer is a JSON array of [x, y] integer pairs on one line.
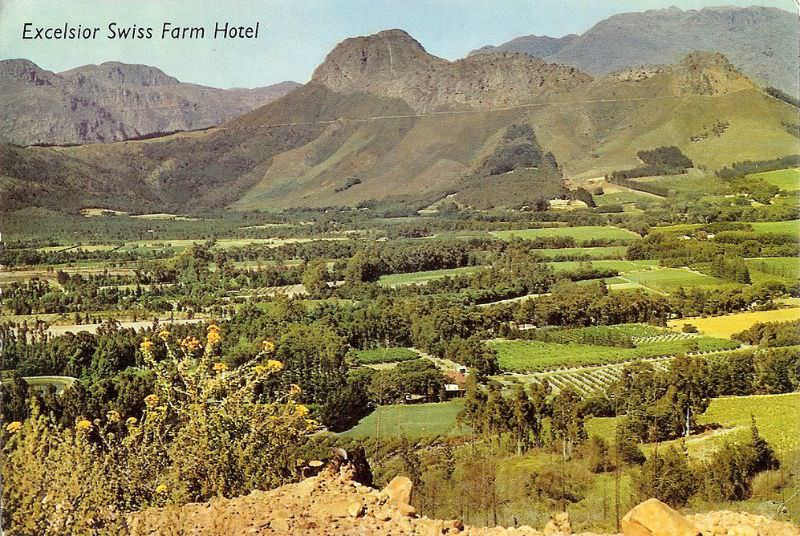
[[220, 367], [269, 347], [13, 426], [164, 334], [151, 400], [213, 336], [274, 365], [146, 346], [295, 389], [190, 343], [84, 424], [161, 488], [131, 421], [113, 416], [301, 410]]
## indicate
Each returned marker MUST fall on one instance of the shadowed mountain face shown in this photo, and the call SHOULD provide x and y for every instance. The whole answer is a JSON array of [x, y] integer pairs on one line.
[[762, 42], [382, 119], [112, 102]]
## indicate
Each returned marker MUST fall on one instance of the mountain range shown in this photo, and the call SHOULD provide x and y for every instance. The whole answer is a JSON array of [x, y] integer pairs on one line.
[[383, 120], [763, 42], [112, 102]]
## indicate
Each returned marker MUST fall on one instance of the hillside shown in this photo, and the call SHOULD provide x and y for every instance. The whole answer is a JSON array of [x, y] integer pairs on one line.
[[761, 41], [112, 102], [382, 119]]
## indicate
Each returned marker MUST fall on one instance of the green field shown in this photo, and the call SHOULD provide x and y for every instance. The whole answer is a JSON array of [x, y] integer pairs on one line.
[[777, 227], [413, 421], [607, 252], [785, 179], [629, 330], [689, 183], [668, 280], [777, 418], [537, 356], [786, 269], [622, 197], [618, 265], [385, 355], [584, 233], [419, 278]]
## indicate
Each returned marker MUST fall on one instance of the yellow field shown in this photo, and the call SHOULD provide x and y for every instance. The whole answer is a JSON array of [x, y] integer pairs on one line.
[[727, 325]]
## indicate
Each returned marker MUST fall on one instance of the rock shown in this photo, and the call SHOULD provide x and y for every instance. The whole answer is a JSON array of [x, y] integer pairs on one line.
[[559, 524], [399, 490], [654, 518], [356, 508], [335, 508], [406, 509]]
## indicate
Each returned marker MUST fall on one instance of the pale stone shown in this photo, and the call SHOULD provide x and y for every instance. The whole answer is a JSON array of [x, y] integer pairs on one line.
[[654, 518], [399, 490]]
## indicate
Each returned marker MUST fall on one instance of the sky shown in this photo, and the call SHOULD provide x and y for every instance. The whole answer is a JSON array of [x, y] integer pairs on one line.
[[295, 35]]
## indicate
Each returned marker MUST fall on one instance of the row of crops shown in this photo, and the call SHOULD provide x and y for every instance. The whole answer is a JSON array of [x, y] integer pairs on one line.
[[591, 380]]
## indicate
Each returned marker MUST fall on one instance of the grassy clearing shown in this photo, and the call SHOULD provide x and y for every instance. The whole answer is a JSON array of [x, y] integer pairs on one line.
[[791, 227], [784, 269], [607, 252], [413, 421], [679, 229], [420, 278], [785, 179], [584, 233], [385, 355], [727, 325], [618, 265], [690, 183], [537, 356], [777, 418], [670, 279]]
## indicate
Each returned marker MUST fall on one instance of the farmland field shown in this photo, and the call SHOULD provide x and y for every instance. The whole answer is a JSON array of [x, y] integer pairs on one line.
[[618, 265], [670, 279], [785, 179], [777, 418], [727, 325], [584, 233], [385, 355], [785, 269], [416, 278], [689, 183], [607, 252], [533, 356], [791, 227], [414, 421]]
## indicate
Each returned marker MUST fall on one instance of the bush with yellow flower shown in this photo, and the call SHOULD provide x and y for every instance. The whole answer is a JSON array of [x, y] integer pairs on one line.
[[205, 431]]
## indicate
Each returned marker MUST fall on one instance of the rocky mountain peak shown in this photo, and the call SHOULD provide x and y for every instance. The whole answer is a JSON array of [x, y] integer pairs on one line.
[[540, 46], [393, 64], [709, 73], [25, 71], [117, 73], [374, 57]]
